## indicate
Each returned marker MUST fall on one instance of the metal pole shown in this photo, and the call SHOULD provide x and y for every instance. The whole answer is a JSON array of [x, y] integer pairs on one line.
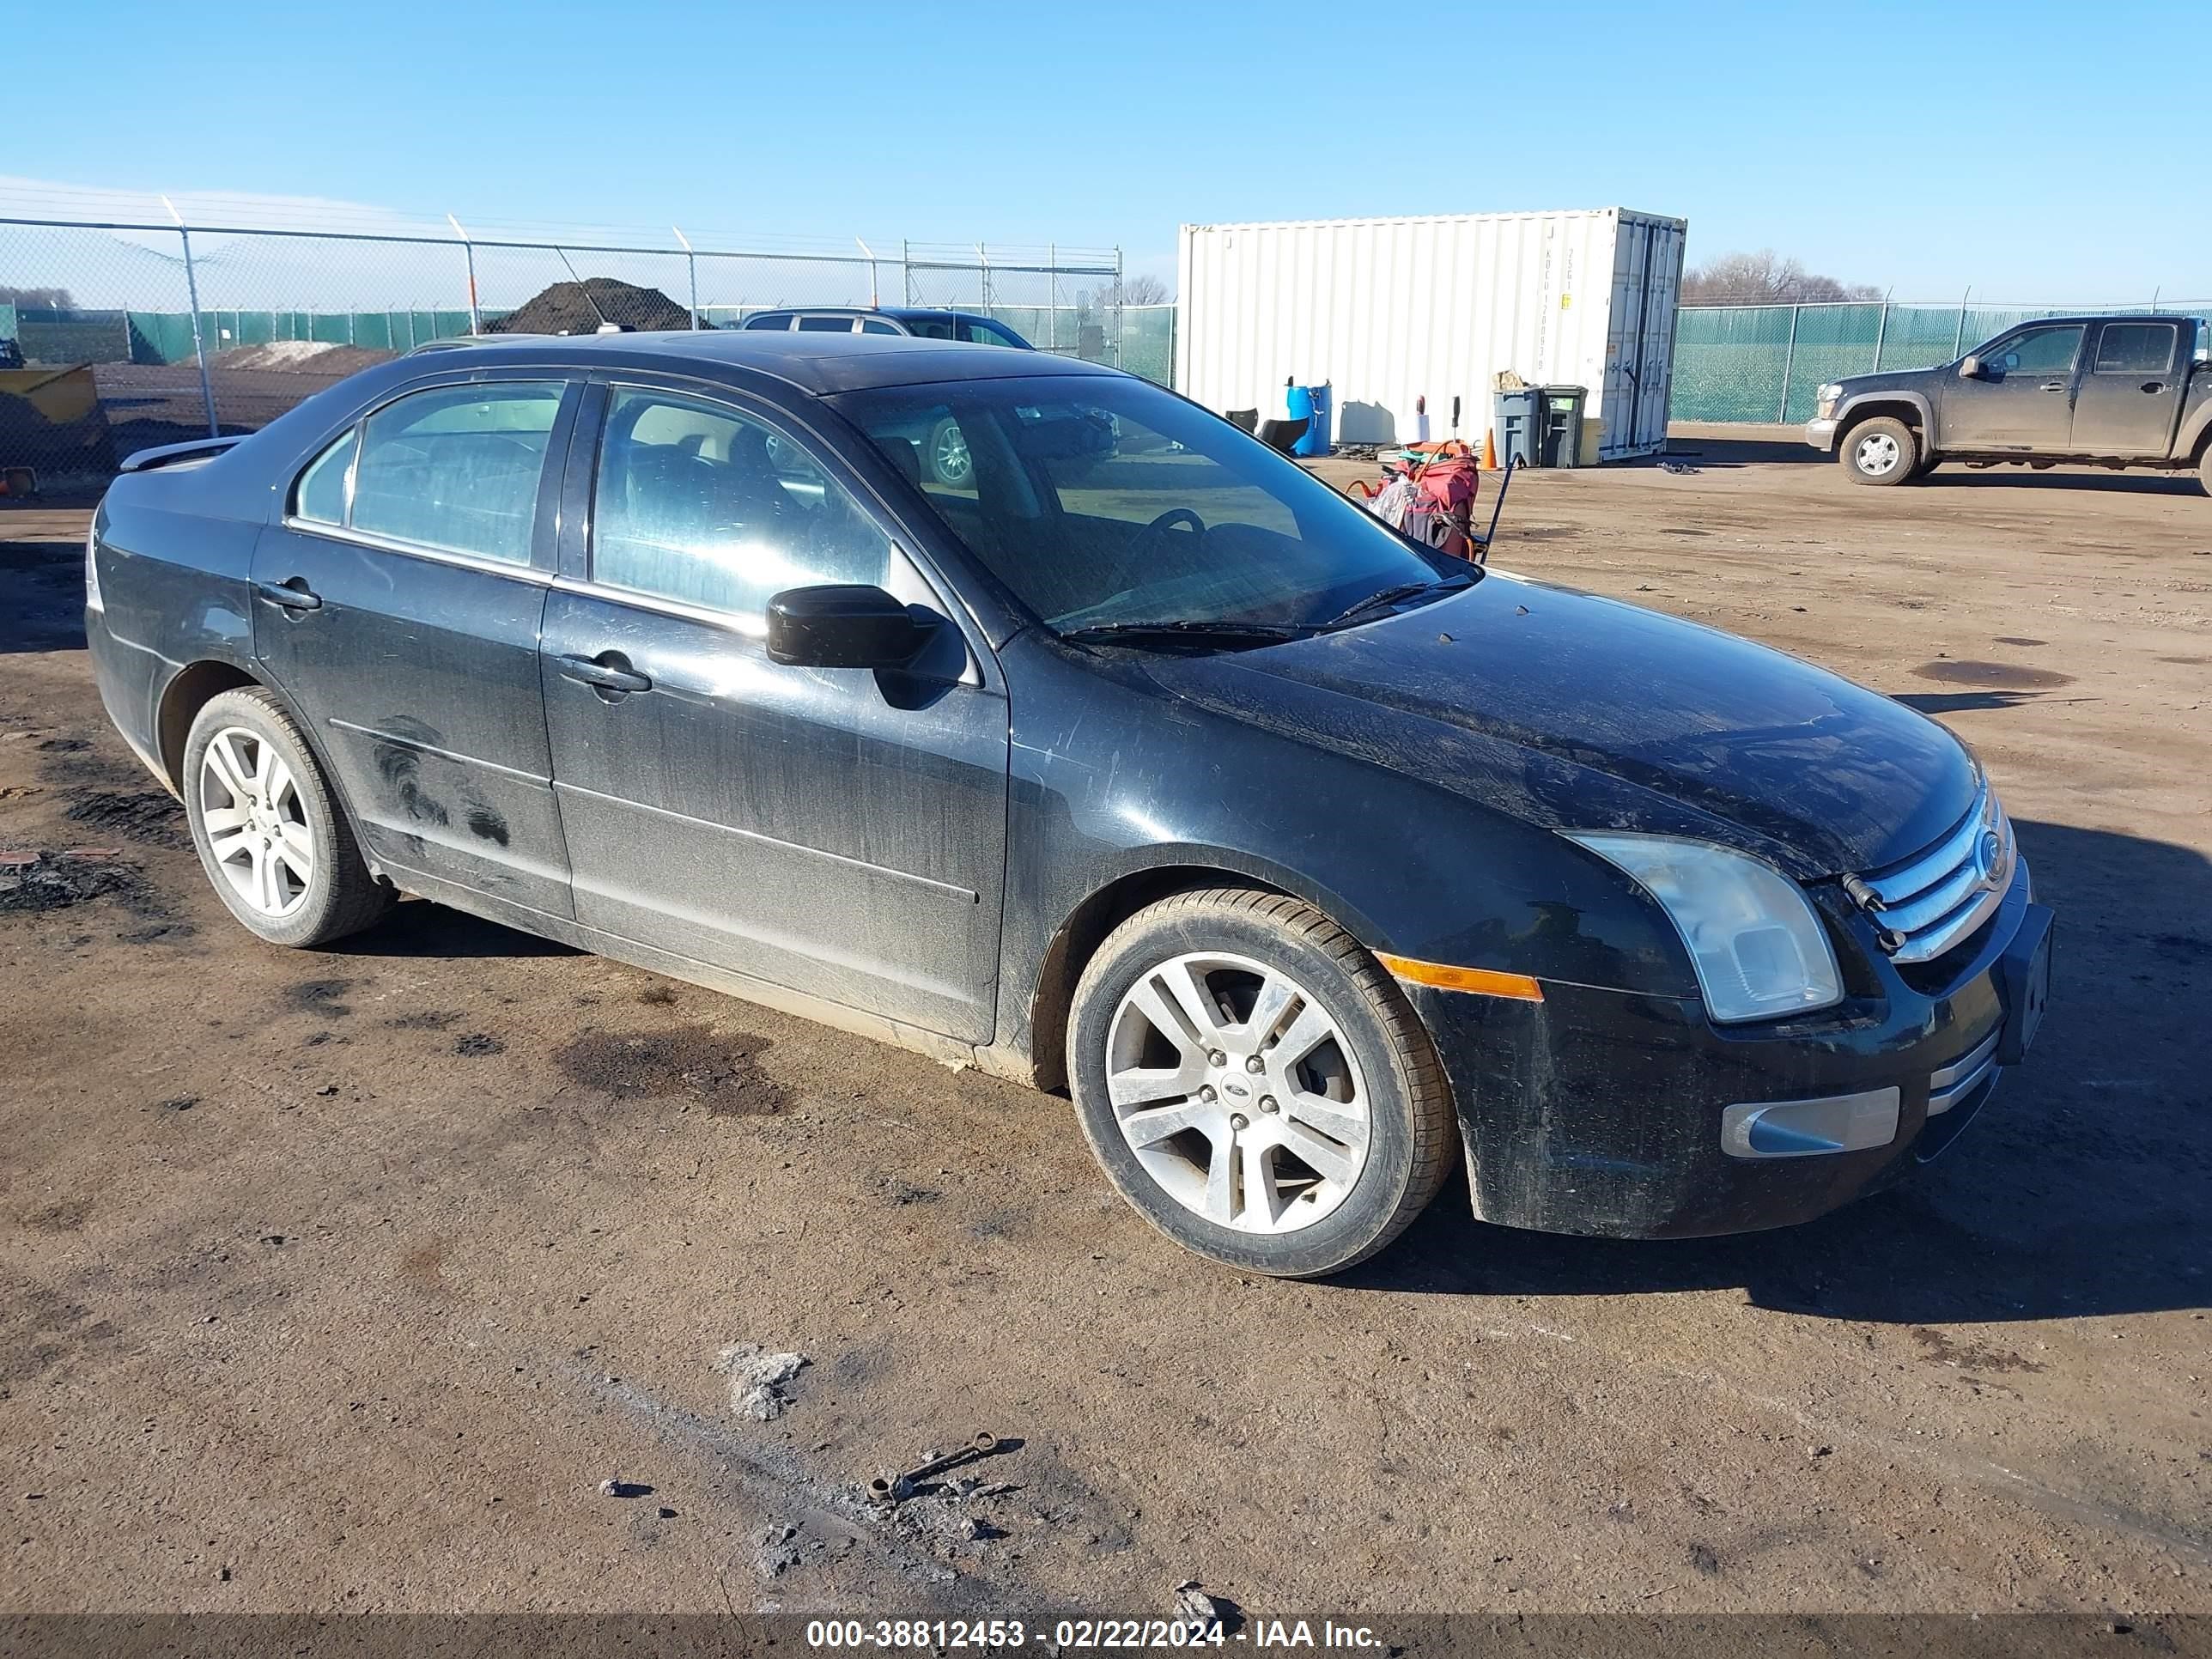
[[1119, 315], [1052, 293], [984, 259], [1959, 340], [1881, 333], [875, 294], [691, 267], [468, 250], [192, 298], [906, 269], [1788, 358]]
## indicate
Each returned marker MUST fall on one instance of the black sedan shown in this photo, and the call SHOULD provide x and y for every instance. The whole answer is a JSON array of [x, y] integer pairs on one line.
[[1305, 858]]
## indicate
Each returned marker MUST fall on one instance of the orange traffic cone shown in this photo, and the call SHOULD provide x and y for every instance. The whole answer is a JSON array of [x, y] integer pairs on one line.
[[1490, 449]]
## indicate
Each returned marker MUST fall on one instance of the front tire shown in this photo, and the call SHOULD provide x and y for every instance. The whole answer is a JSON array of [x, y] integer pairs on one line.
[[1255, 1085], [950, 463], [276, 848], [1881, 450], [2204, 469]]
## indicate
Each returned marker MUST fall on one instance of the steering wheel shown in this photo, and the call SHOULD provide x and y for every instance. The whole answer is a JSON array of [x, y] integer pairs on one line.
[[1166, 522]]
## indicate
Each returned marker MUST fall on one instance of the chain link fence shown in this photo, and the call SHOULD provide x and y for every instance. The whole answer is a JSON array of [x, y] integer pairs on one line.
[[116, 337], [1763, 363]]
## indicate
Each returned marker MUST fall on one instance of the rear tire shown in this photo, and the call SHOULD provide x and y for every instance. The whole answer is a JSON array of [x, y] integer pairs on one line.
[[2204, 469], [946, 457], [274, 843], [1255, 1085], [1881, 450]]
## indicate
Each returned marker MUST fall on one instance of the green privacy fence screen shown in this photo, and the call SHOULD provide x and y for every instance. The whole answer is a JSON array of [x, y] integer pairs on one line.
[[1764, 363]]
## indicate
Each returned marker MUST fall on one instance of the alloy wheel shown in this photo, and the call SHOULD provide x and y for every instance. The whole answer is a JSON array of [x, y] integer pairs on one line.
[[1877, 454], [258, 831], [1238, 1092]]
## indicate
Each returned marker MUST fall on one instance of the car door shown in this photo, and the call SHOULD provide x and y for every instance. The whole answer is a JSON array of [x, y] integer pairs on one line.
[[398, 605], [839, 832], [2022, 398], [2132, 396]]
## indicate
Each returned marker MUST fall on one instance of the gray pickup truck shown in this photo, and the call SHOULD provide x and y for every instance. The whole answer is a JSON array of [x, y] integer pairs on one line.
[[2124, 390]]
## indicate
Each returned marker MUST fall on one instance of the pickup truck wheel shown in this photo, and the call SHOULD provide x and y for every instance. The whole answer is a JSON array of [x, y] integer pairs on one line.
[[1881, 450], [1255, 1085], [2204, 469], [276, 847]]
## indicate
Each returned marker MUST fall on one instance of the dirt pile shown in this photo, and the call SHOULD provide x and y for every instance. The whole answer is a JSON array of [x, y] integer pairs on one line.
[[579, 309]]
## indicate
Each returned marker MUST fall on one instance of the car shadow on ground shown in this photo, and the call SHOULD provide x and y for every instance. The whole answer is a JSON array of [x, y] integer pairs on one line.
[[41, 596], [418, 927], [2083, 1188], [1957, 476], [1703, 452]]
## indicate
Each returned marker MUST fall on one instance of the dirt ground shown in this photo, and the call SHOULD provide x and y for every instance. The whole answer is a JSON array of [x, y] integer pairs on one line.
[[341, 1281]]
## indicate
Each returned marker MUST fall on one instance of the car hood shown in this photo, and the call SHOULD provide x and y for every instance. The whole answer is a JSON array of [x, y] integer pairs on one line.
[[1572, 711]]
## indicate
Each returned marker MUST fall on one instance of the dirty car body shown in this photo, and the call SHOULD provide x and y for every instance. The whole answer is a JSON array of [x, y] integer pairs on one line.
[[916, 796]]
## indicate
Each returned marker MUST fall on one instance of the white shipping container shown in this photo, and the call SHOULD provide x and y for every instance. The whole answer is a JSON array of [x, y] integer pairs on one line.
[[1392, 310]]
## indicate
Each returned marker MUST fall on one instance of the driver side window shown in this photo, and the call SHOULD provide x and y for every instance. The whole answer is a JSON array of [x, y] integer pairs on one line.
[[698, 503], [2039, 351]]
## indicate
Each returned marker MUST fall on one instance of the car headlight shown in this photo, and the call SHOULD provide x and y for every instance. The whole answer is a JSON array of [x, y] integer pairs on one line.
[[92, 565], [1826, 397], [1760, 951]]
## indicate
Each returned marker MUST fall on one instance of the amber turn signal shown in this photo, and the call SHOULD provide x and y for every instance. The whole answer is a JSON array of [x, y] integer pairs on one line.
[[1482, 982]]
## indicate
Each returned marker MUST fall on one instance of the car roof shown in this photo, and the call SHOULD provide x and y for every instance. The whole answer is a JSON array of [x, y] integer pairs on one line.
[[819, 363]]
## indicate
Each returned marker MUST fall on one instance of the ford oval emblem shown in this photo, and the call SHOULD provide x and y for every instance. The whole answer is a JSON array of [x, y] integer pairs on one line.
[[1987, 851]]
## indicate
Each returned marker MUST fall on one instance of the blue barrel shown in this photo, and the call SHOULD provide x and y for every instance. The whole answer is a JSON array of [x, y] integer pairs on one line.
[[1297, 404], [1316, 439]]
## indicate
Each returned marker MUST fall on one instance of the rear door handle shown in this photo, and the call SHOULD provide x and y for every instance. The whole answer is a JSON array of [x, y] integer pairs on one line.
[[2054, 386], [586, 671], [2153, 385], [292, 594]]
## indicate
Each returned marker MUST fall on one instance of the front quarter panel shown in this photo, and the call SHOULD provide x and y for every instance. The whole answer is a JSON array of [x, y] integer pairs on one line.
[[1109, 778]]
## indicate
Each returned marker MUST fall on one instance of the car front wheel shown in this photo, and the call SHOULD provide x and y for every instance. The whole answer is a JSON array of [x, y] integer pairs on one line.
[[280, 853], [1882, 450], [950, 463], [1255, 1085]]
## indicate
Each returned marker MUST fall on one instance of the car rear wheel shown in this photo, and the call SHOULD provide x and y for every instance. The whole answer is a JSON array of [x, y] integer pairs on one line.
[[2204, 469], [277, 850], [1881, 450], [1255, 1085], [950, 463]]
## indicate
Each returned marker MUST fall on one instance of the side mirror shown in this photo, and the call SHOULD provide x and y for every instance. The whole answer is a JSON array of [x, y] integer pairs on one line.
[[1970, 369], [843, 626]]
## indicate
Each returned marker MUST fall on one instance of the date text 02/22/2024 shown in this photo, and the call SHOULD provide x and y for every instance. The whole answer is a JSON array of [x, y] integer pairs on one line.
[[1261, 1635]]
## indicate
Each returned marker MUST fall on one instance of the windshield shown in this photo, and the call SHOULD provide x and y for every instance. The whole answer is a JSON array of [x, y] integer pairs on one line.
[[1106, 501]]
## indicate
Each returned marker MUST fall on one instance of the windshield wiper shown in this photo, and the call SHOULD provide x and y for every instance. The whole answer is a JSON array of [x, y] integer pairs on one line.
[[1194, 633], [1398, 594]]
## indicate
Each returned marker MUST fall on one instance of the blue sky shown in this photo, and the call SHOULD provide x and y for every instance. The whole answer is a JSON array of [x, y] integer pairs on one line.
[[1925, 147]]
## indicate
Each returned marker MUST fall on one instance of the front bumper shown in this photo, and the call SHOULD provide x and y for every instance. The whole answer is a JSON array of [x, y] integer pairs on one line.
[[1627, 1115], [1821, 435]]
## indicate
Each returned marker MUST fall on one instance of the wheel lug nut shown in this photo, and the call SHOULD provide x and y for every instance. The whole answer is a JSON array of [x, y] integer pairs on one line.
[[1238, 1120], [1217, 1058], [1267, 1104], [1254, 1063], [1206, 1093]]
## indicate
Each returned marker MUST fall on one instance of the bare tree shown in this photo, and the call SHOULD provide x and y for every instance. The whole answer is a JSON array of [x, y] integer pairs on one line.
[[1764, 278], [35, 299], [1143, 289]]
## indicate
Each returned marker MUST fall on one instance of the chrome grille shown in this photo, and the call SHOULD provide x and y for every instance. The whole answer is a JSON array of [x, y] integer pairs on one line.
[[1927, 905]]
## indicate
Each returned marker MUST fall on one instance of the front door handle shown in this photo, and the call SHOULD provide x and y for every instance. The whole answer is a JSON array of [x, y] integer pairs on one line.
[[2054, 386], [292, 594], [585, 670], [2153, 385]]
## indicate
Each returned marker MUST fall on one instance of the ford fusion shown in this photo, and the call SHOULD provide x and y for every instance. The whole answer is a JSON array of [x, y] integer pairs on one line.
[[1142, 765]]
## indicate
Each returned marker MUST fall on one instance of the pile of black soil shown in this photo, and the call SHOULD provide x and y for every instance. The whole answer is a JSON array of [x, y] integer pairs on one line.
[[149, 814], [580, 307]]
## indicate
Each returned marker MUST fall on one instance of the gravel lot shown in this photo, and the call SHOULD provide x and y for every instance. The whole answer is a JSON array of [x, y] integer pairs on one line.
[[343, 1280]]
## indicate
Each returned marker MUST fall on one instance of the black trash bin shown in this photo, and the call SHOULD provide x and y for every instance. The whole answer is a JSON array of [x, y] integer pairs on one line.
[[1518, 424], [1561, 425]]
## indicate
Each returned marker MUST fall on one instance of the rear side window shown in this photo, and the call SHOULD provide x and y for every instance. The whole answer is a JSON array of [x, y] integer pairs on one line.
[[321, 495], [776, 319], [876, 325], [825, 324], [2136, 348], [457, 468], [699, 503]]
